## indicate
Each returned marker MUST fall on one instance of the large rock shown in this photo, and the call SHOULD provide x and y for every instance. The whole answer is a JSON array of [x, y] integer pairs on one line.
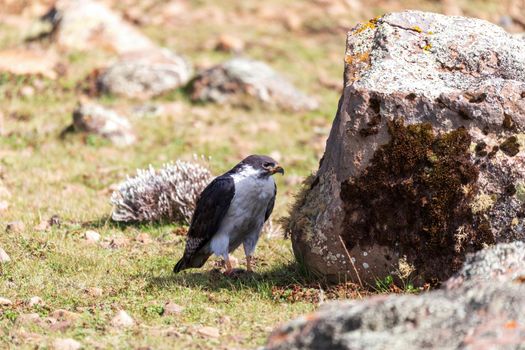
[[145, 74], [96, 119], [29, 62], [477, 314], [238, 78], [142, 70], [87, 24], [425, 160]]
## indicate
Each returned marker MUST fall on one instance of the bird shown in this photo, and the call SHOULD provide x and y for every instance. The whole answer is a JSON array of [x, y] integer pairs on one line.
[[231, 211]]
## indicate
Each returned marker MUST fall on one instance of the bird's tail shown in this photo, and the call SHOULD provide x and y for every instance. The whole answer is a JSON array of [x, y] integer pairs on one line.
[[181, 265]]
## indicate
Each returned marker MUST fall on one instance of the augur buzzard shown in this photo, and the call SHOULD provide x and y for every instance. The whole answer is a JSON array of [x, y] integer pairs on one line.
[[231, 210]]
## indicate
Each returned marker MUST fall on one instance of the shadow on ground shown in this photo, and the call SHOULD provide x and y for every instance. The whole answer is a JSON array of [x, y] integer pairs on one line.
[[214, 280]]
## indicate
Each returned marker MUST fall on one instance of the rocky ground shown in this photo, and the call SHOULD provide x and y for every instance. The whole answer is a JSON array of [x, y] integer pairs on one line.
[[481, 307], [92, 91]]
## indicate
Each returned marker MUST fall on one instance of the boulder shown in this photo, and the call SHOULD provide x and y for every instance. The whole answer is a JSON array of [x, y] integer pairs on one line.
[[477, 314], [424, 162], [142, 75], [85, 25], [234, 80], [95, 119]]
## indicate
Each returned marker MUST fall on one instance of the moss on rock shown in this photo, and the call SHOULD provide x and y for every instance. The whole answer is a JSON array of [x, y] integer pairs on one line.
[[416, 197]]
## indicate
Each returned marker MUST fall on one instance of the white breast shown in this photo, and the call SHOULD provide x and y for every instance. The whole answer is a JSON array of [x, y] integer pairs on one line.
[[247, 209]]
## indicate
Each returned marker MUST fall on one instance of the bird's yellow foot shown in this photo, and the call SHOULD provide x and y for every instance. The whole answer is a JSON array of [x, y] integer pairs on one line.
[[249, 263]]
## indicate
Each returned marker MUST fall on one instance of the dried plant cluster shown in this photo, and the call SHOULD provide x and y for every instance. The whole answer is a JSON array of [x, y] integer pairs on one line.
[[167, 194]]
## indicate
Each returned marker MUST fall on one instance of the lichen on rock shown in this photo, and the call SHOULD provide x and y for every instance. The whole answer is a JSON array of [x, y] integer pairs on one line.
[[415, 197]]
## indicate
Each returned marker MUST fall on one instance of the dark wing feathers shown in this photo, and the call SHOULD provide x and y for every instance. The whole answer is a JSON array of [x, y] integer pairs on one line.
[[271, 204], [211, 208]]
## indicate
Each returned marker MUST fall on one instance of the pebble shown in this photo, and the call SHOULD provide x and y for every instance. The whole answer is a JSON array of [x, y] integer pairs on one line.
[[122, 320], [4, 257]]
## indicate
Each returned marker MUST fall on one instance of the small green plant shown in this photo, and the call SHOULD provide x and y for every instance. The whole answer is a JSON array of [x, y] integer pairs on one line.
[[384, 285], [9, 315], [154, 310]]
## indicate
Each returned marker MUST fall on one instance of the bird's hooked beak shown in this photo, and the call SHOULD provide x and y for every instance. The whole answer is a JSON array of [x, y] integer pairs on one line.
[[277, 169]]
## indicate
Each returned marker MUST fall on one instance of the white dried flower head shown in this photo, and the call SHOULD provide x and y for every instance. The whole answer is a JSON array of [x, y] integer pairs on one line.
[[167, 194]]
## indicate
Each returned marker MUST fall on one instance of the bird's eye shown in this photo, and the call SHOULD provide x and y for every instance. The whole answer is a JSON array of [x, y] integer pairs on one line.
[[267, 164]]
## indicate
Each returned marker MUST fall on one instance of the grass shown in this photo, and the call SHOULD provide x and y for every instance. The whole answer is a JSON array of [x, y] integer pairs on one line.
[[72, 178]]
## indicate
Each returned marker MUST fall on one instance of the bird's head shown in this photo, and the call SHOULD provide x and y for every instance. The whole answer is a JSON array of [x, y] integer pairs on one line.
[[267, 166]]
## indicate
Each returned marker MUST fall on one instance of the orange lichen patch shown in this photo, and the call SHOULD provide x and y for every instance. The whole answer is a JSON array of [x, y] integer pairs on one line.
[[520, 279], [512, 324], [427, 47], [278, 337], [357, 58], [356, 63], [417, 29], [311, 316], [371, 24]]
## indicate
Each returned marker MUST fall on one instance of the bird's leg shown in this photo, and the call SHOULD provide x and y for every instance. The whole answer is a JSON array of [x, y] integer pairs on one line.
[[249, 267], [229, 267]]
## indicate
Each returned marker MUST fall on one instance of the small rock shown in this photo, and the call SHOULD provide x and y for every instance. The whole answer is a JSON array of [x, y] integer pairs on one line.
[[95, 291], [4, 205], [144, 75], [229, 43], [95, 119], [209, 332], [172, 333], [28, 319], [34, 301], [66, 344], [92, 236], [54, 220], [61, 326], [5, 302], [29, 337], [42, 226], [15, 227], [171, 308], [122, 320], [29, 62], [27, 91], [4, 257], [143, 238], [292, 22], [225, 320], [4, 192], [65, 315], [50, 321], [233, 80], [118, 242]]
